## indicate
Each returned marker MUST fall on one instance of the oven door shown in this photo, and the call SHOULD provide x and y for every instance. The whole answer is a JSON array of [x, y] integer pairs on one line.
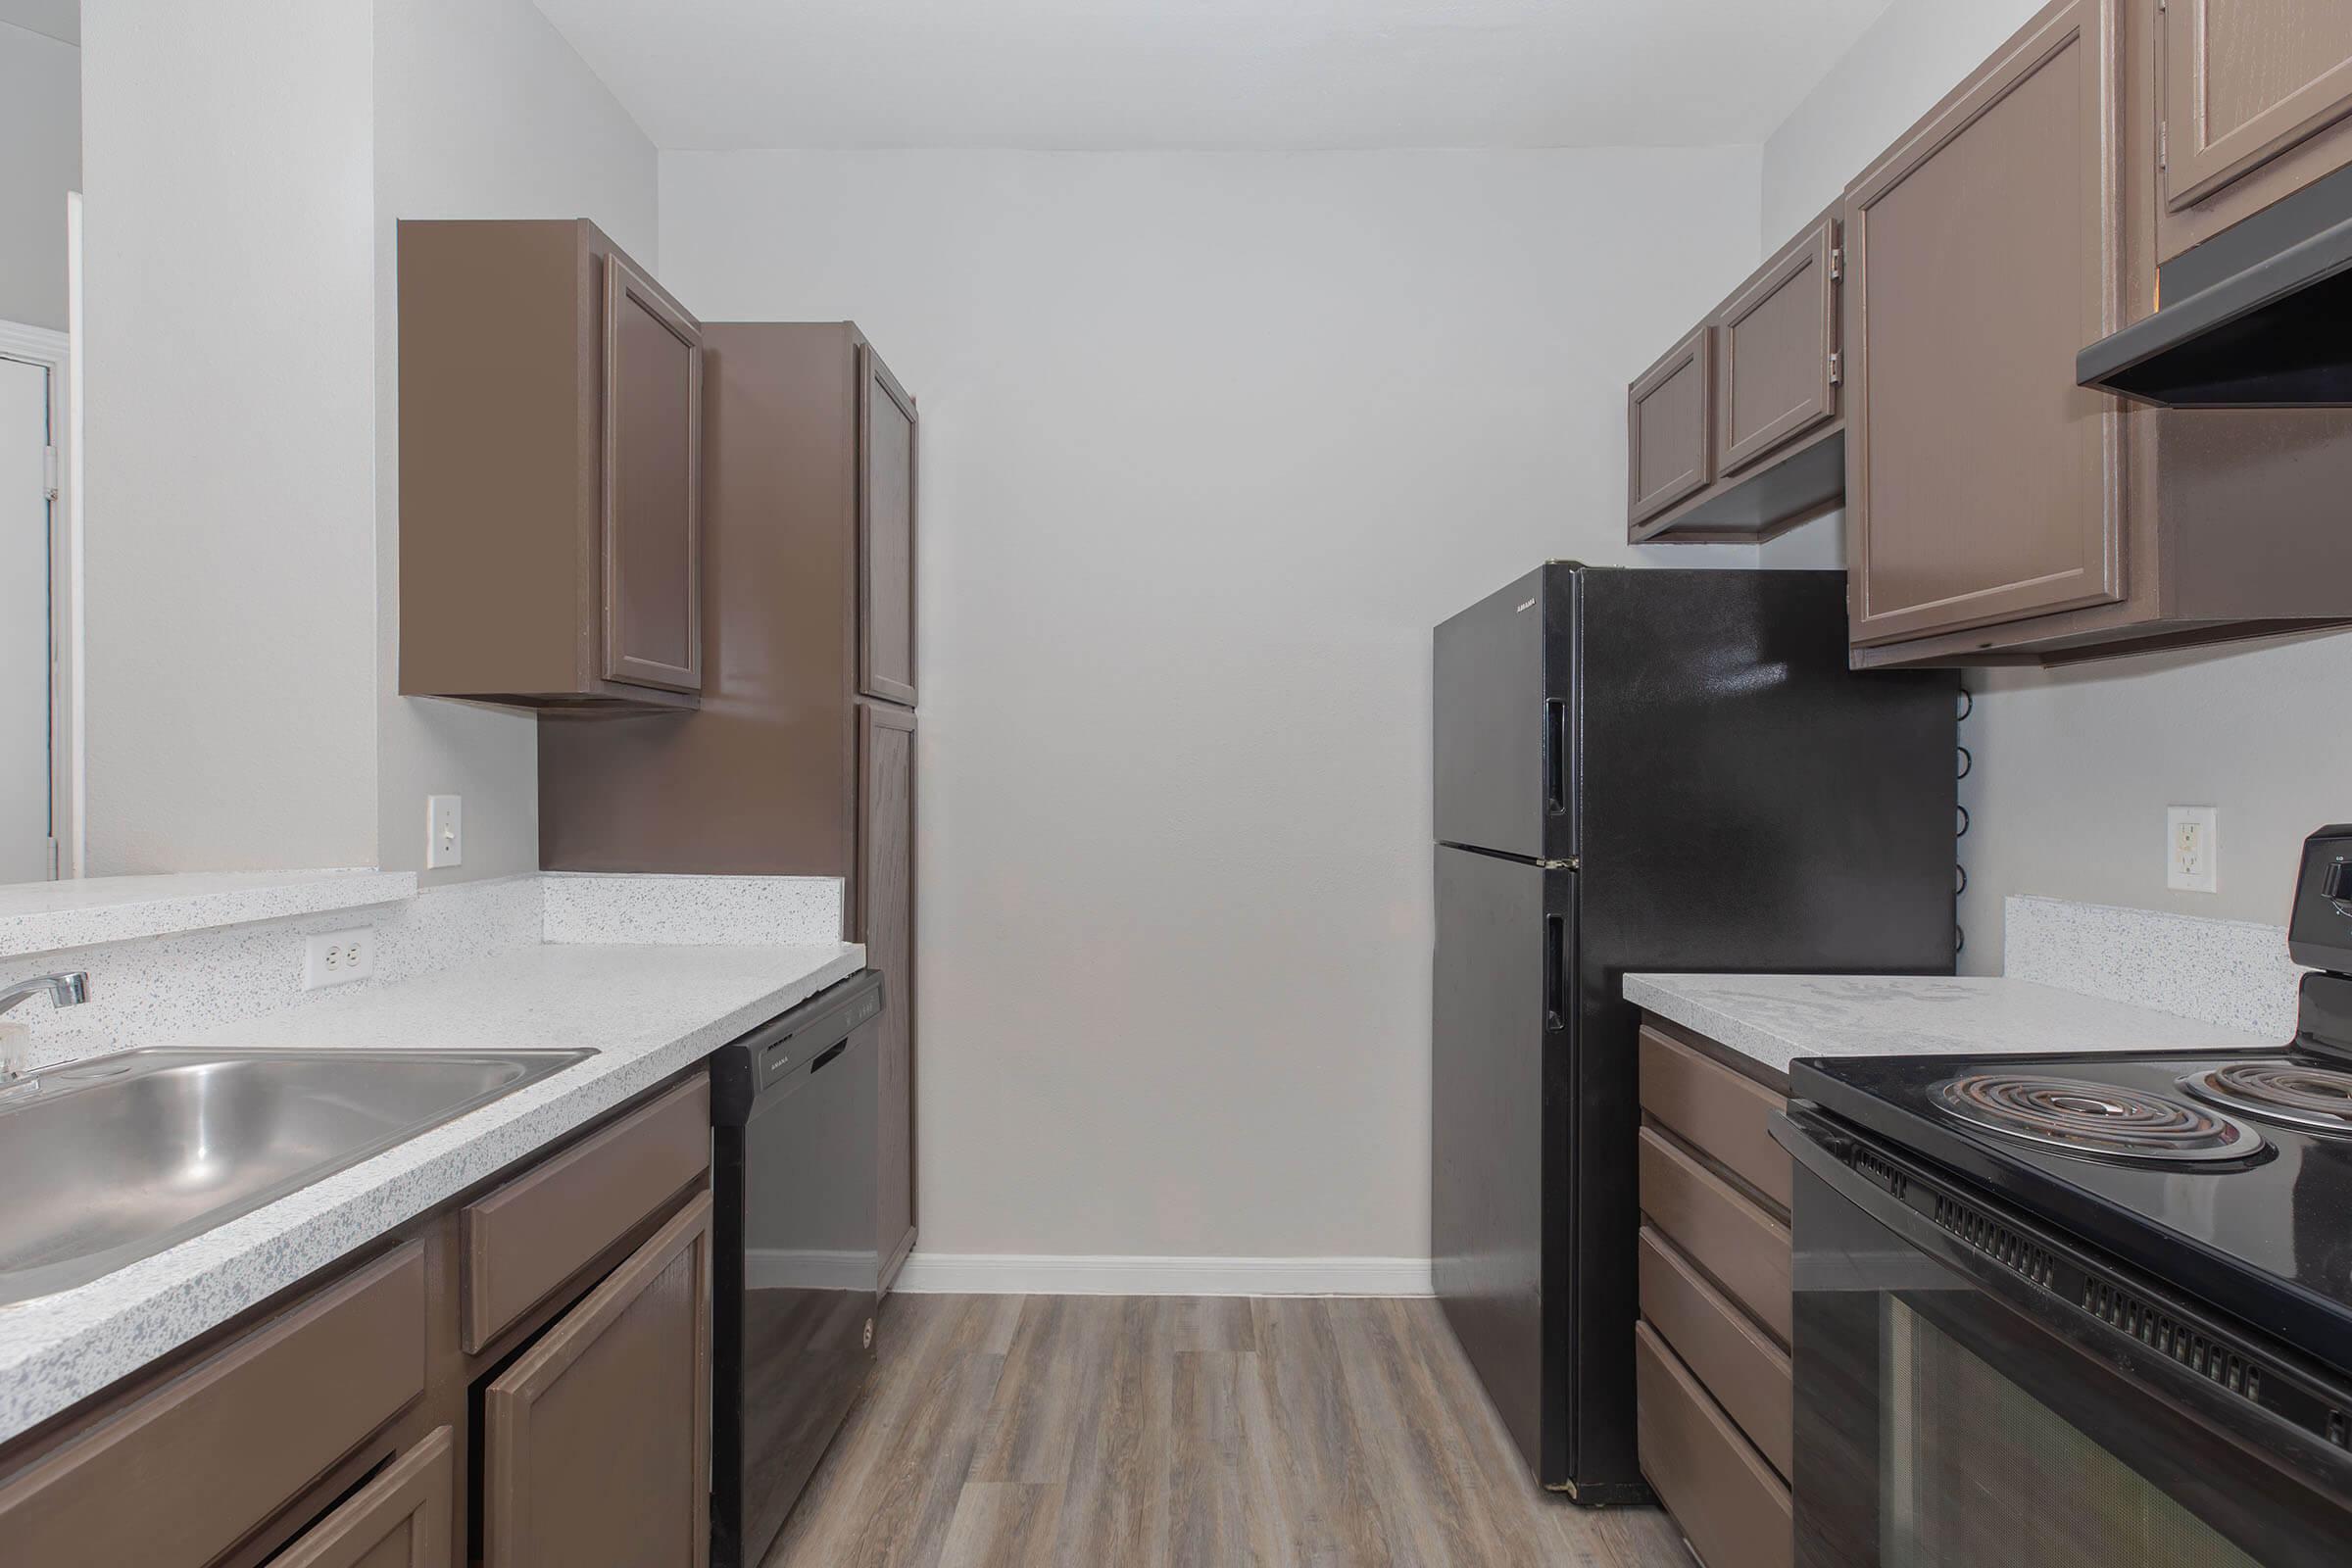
[[1974, 1390]]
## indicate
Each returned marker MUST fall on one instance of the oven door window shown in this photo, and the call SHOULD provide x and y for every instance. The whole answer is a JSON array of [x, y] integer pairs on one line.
[[1975, 1469], [1937, 1427]]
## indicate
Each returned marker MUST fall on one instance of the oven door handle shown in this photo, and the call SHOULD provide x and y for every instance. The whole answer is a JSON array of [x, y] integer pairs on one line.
[[2044, 1278]]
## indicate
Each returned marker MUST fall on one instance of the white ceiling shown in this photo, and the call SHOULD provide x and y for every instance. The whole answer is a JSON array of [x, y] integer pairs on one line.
[[58, 18], [1208, 73]]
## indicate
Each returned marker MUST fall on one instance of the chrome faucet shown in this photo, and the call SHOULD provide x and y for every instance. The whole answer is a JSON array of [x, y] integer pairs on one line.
[[70, 989], [67, 989]]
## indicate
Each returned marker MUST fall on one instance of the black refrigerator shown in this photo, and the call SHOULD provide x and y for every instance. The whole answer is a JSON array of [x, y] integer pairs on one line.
[[1635, 771]]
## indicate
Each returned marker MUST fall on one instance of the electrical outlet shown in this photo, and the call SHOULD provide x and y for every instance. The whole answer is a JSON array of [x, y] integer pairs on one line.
[[2191, 849], [338, 957], [444, 831]]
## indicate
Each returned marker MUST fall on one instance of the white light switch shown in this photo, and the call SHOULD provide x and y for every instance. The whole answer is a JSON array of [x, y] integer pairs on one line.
[[445, 831], [2191, 849]]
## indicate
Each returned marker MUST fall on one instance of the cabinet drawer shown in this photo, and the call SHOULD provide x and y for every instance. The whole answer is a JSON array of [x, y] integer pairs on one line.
[[1714, 1109], [540, 1229], [1727, 1236], [183, 1474], [1747, 1374], [399, 1520], [1732, 1507]]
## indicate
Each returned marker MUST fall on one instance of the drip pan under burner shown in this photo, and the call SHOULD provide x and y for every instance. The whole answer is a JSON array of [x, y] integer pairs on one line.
[[2095, 1121], [2293, 1093]]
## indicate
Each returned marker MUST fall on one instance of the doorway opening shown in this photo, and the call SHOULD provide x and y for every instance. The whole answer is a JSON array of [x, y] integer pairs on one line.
[[40, 837]]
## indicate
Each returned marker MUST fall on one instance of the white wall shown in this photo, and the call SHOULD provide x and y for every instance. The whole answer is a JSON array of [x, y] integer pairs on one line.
[[230, 227], [246, 172], [482, 110], [2073, 768], [40, 160], [1210, 443]]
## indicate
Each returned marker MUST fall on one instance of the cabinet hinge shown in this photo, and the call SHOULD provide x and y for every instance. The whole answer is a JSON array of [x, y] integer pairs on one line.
[[49, 472], [1837, 263], [1836, 368], [2164, 153]]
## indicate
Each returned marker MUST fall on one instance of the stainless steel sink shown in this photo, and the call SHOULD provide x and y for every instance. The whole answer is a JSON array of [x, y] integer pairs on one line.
[[115, 1158]]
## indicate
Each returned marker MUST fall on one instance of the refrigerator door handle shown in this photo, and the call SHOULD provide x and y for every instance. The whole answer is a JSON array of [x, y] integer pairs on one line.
[[1555, 756], [1555, 968]]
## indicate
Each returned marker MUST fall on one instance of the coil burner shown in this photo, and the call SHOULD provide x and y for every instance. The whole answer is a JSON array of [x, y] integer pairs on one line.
[[2095, 1121], [2293, 1093]]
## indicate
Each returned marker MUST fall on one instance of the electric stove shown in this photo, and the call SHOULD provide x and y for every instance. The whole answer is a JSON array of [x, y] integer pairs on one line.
[[2110, 1294], [2228, 1176]]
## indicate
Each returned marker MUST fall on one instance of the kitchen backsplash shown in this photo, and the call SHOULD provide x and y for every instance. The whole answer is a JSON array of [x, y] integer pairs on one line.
[[2230, 972], [661, 910], [156, 989]]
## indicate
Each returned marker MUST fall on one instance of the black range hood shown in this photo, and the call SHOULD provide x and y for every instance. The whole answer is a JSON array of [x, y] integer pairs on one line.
[[2260, 316]]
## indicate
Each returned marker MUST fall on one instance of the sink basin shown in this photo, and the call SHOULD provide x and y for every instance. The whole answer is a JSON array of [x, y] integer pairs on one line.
[[111, 1159]]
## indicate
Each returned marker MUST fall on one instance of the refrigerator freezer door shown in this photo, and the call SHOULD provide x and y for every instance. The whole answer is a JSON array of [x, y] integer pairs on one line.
[[1503, 1028], [1506, 723]]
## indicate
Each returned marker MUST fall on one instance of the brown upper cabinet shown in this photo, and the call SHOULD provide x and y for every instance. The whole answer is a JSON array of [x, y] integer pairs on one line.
[[2256, 103], [809, 464], [1669, 445], [1779, 372], [1984, 486], [1996, 513], [886, 518], [551, 452], [1737, 433]]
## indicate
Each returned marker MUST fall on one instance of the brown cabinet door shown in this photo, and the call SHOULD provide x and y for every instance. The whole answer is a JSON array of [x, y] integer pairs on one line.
[[1670, 451], [653, 482], [2245, 83], [596, 1440], [886, 925], [1982, 485], [1776, 342], [399, 1520], [886, 518]]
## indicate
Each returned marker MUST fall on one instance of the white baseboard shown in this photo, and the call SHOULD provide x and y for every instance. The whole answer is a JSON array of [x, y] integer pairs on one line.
[[1061, 1274]]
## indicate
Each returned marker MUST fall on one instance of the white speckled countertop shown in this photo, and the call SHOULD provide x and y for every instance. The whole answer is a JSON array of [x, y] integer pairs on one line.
[[80, 912], [1776, 1018], [648, 1011]]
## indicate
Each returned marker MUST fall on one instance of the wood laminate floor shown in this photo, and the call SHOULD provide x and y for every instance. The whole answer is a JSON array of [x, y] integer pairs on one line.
[[1171, 1432]]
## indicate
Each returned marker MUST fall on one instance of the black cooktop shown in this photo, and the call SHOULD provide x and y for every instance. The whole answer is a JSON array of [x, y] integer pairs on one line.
[[2226, 1176]]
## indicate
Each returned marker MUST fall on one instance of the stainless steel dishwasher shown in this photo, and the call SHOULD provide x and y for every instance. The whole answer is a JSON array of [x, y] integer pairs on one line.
[[797, 1268]]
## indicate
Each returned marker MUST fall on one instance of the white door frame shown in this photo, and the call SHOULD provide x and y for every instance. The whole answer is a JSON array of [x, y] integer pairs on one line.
[[52, 350]]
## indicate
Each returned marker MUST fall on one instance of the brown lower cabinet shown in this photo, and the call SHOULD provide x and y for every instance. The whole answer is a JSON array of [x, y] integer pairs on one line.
[[347, 1423], [399, 1520], [1714, 1391], [885, 922], [598, 1439]]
